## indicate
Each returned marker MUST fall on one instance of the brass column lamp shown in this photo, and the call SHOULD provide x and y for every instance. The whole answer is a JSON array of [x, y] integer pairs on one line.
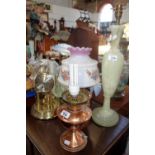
[[118, 12], [42, 108], [46, 103]]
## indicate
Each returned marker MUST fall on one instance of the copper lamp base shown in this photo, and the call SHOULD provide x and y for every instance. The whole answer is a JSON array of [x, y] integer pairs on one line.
[[74, 139]]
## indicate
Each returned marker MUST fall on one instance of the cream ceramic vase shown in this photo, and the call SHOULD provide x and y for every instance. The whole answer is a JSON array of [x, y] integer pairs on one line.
[[112, 65]]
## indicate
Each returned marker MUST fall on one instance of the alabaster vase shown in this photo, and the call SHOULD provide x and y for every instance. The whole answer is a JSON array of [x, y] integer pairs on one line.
[[112, 65]]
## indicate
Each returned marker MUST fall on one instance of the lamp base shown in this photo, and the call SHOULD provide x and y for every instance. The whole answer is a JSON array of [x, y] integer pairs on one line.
[[107, 118], [73, 140], [41, 113]]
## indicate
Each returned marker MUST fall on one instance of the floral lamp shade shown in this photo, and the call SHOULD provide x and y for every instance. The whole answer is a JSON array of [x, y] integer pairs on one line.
[[87, 69]]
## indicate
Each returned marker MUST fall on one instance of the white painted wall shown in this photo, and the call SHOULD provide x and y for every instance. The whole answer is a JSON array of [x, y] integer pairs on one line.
[[124, 18], [65, 3], [70, 15], [63, 8], [95, 17]]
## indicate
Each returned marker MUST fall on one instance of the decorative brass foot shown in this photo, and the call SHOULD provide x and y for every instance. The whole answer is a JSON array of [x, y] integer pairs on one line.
[[45, 107]]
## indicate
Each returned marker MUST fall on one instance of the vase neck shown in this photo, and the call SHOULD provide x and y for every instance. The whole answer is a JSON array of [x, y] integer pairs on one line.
[[115, 41], [114, 49], [115, 45], [116, 35], [106, 103]]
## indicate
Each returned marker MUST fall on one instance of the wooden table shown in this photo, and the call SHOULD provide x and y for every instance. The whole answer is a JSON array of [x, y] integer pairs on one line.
[[45, 136]]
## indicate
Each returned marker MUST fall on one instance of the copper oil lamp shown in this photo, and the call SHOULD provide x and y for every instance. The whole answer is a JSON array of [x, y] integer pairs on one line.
[[75, 112], [78, 72]]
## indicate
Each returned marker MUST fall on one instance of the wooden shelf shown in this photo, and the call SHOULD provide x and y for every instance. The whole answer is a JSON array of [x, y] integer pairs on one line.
[[45, 135]]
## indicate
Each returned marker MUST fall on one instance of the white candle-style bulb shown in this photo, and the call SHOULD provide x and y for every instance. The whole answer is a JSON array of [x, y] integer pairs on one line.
[[71, 74], [74, 90], [76, 74], [73, 84], [74, 70]]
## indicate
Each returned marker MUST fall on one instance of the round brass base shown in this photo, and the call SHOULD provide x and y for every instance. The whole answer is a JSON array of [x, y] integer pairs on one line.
[[73, 140], [41, 114]]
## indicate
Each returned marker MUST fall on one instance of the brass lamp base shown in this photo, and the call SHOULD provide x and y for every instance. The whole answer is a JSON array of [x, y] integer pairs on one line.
[[73, 140], [45, 106], [41, 114]]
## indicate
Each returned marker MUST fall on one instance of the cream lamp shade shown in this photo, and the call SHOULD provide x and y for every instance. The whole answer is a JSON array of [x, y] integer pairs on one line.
[[84, 71]]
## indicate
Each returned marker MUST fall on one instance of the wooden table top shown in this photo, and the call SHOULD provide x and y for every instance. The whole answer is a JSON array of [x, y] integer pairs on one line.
[[45, 135]]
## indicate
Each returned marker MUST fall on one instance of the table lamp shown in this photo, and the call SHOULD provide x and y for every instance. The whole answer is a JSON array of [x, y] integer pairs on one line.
[[77, 71]]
